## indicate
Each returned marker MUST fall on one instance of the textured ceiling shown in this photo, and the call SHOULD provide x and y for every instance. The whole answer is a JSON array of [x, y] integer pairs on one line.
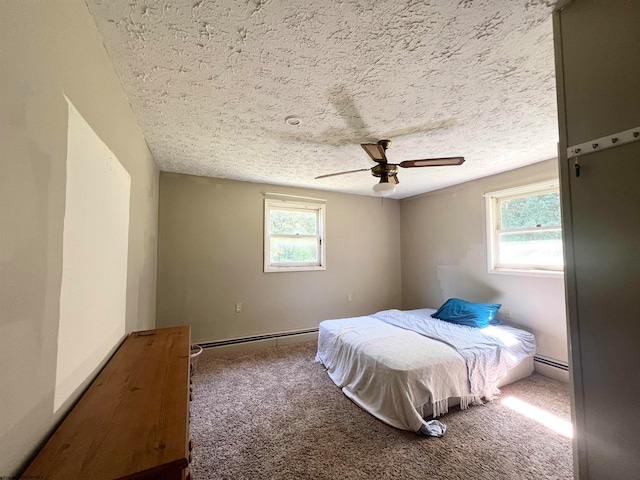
[[212, 82]]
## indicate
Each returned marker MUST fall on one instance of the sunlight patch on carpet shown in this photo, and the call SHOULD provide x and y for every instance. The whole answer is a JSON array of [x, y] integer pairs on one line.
[[536, 414]]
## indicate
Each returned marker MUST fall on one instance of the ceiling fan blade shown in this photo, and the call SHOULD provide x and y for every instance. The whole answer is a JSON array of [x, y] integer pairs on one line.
[[432, 162], [375, 151], [394, 179], [342, 173]]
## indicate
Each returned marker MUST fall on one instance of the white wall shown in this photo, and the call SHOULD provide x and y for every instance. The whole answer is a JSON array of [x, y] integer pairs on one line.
[[211, 257], [444, 254], [93, 292], [49, 50]]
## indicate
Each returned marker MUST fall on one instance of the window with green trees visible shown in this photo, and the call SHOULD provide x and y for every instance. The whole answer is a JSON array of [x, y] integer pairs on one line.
[[524, 229], [293, 236]]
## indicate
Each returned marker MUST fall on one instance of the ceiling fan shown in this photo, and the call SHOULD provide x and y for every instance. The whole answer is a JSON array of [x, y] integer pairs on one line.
[[387, 172]]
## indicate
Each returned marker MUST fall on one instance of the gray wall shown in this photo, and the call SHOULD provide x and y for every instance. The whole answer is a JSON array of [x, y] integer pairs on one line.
[[48, 50], [598, 73], [210, 257], [444, 254]]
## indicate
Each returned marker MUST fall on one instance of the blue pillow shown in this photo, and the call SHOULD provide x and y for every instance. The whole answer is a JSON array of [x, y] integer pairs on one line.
[[470, 314]]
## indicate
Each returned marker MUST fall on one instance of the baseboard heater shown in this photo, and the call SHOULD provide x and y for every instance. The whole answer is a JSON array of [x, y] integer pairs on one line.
[[551, 363], [270, 336]]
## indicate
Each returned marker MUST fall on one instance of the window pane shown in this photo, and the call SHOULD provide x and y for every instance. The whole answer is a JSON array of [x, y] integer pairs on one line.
[[288, 222], [291, 250], [537, 249], [543, 210]]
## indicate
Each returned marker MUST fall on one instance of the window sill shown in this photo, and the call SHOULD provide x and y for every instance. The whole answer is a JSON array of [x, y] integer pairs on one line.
[[528, 273], [294, 269]]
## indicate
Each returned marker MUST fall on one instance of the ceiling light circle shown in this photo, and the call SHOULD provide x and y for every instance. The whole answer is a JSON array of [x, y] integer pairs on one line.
[[383, 189], [292, 121]]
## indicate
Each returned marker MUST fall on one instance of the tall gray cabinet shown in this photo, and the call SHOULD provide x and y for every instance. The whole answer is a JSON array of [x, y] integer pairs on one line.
[[598, 80]]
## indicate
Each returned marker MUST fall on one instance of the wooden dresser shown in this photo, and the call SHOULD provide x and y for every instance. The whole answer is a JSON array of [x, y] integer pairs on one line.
[[133, 421]]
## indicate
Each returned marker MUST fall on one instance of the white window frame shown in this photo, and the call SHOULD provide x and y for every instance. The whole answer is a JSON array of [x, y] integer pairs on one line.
[[493, 229], [289, 202]]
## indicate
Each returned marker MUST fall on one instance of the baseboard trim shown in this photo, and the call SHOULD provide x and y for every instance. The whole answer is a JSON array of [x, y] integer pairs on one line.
[[256, 338]]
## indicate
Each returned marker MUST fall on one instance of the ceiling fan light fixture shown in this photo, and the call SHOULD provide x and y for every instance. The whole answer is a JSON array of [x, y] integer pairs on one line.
[[384, 188]]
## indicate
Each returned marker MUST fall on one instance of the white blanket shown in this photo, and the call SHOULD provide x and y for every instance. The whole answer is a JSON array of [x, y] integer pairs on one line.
[[392, 372], [489, 352]]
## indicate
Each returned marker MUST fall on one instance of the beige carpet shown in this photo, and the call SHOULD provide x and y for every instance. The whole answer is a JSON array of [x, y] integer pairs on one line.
[[275, 414]]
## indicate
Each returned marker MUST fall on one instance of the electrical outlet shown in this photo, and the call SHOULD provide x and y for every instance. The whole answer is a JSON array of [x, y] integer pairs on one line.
[[507, 314], [238, 307], [349, 297]]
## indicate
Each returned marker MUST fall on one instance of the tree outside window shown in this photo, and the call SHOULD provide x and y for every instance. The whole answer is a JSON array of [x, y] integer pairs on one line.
[[293, 236], [524, 229]]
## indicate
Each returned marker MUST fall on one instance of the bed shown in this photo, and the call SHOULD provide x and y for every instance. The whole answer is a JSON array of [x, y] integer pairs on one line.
[[403, 366]]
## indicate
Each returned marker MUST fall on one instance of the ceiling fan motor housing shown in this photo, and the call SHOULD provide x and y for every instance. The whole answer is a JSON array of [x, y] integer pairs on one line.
[[384, 169]]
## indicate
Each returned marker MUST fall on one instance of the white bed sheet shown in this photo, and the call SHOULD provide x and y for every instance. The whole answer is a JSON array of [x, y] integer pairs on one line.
[[391, 372]]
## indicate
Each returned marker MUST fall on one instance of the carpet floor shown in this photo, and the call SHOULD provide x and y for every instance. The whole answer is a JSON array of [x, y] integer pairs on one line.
[[276, 414]]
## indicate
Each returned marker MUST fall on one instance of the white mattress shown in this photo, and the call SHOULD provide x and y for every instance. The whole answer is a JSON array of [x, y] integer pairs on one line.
[[396, 374]]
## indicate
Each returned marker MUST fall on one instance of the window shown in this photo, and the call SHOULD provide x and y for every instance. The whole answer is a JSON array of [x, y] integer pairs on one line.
[[524, 230], [293, 234]]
